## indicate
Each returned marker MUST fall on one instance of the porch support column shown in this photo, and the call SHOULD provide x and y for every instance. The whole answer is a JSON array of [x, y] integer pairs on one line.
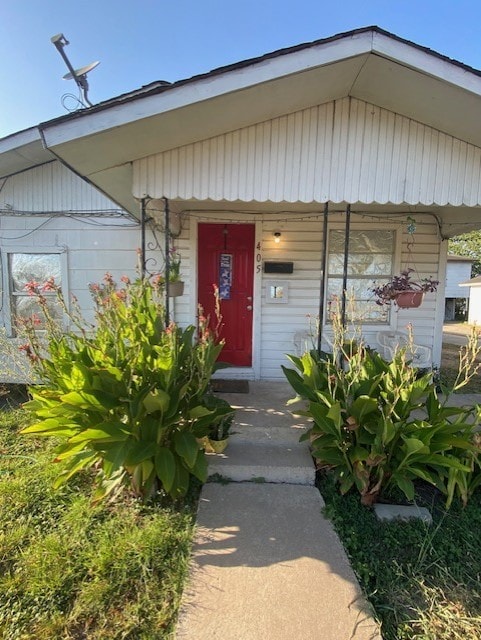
[[346, 260], [143, 219], [167, 259], [322, 288]]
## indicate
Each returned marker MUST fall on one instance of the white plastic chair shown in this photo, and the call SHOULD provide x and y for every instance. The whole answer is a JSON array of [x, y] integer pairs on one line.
[[302, 342], [390, 341]]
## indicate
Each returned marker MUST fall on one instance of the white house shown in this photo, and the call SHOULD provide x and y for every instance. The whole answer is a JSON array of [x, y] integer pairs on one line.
[[457, 300], [285, 179], [474, 312]]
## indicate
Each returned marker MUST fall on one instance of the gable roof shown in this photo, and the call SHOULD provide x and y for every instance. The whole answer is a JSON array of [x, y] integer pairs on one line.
[[370, 64], [162, 86]]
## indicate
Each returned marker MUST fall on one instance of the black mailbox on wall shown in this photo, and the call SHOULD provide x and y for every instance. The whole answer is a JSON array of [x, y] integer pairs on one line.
[[278, 267]]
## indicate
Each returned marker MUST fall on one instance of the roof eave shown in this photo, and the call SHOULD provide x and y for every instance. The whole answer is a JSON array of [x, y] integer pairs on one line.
[[22, 151]]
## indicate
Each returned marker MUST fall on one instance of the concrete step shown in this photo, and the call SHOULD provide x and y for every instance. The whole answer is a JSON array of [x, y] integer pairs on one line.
[[278, 435], [264, 461]]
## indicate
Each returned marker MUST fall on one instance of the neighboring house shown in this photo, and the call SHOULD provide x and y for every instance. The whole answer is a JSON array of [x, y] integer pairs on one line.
[[273, 169], [456, 299], [474, 313]]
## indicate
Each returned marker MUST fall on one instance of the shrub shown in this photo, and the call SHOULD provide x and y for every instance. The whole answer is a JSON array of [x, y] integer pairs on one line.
[[124, 396], [380, 424]]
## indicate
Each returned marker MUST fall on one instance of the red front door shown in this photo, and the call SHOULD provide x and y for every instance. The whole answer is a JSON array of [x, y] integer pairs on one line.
[[226, 258]]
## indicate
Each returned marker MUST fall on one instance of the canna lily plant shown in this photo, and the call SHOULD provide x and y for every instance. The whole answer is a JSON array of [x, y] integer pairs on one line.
[[124, 396], [377, 425]]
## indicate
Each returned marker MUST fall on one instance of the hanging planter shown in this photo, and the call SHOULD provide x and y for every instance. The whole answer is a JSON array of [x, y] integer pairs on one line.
[[176, 289], [409, 299], [404, 292]]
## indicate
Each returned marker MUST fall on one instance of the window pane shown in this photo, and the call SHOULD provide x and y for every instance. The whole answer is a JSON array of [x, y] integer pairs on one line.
[[359, 310], [361, 264], [381, 241], [371, 255], [27, 307], [367, 312], [25, 267], [356, 287]]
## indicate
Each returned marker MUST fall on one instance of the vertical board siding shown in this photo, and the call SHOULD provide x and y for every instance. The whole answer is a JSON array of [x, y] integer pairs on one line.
[[342, 151], [51, 187]]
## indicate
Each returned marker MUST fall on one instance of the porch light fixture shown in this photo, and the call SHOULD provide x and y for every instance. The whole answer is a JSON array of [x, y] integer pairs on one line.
[[277, 236]]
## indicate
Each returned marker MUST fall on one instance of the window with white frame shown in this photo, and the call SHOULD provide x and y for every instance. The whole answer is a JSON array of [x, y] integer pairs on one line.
[[371, 259], [22, 267]]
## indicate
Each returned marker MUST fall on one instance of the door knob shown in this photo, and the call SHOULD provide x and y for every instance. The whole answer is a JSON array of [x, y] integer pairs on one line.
[[249, 307]]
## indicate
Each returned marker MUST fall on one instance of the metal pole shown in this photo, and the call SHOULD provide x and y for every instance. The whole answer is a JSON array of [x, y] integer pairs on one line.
[[322, 288], [167, 260], [346, 260], [142, 237]]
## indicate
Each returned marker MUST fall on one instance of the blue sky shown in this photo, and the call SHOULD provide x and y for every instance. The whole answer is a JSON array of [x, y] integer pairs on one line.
[[140, 41]]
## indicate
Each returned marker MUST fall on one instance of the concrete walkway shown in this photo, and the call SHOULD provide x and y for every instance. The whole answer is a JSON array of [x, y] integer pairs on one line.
[[266, 564], [456, 333]]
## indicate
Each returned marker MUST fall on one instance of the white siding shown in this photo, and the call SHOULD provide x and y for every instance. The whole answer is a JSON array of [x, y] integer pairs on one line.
[[474, 313], [456, 273], [341, 151], [91, 250], [51, 187]]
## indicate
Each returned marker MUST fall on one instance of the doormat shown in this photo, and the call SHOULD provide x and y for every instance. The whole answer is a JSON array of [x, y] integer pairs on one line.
[[230, 386]]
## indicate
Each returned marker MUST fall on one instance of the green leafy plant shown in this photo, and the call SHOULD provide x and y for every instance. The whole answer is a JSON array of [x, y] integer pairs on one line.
[[380, 424], [126, 395], [175, 261], [223, 417], [388, 292]]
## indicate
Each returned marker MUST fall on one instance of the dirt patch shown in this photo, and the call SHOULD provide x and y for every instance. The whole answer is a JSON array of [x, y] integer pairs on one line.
[[449, 369]]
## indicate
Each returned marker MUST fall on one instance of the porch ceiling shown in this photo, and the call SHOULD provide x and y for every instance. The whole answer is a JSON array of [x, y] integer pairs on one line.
[[451, 221]]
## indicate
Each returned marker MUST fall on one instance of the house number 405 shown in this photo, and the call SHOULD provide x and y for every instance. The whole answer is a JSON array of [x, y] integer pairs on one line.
[[258, 258]]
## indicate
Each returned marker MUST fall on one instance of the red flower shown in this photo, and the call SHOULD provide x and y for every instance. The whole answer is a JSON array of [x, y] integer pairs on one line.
[[31, 287], [49, 285]]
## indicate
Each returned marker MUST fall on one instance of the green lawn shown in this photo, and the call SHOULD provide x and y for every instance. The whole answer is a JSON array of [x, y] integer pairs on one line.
[[424, 582], [71, 570]]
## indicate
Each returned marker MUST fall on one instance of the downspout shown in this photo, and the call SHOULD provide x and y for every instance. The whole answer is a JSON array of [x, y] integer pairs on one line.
[[346, 261], [322, 288], [167, 260]]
